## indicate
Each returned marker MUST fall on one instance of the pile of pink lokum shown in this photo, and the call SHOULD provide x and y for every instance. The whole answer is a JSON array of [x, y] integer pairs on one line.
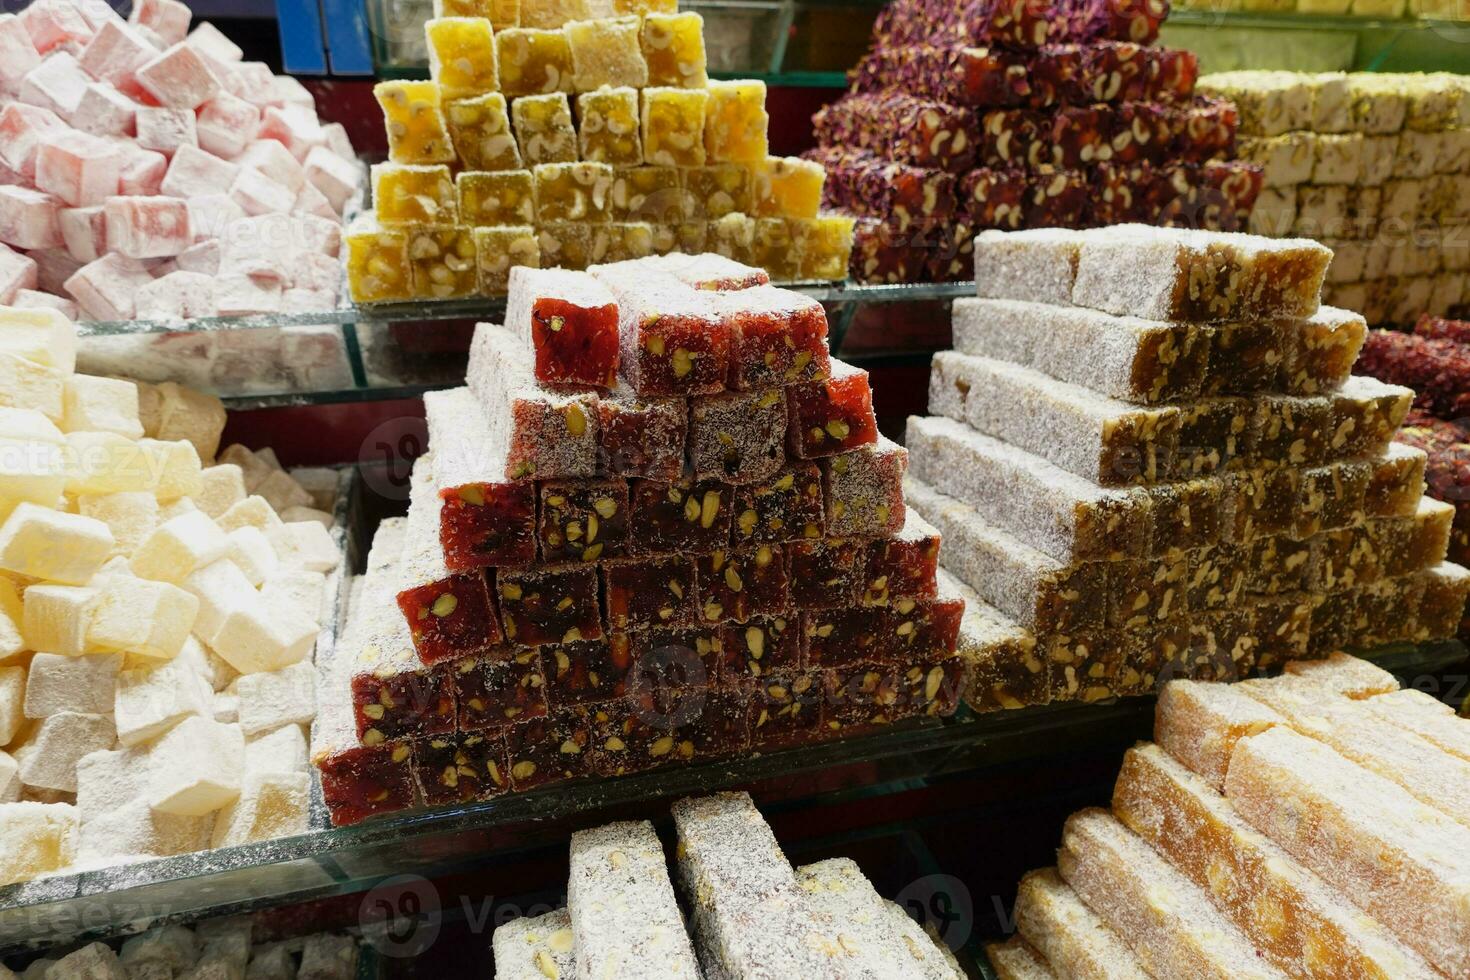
[[1044, 113], [147, 171]]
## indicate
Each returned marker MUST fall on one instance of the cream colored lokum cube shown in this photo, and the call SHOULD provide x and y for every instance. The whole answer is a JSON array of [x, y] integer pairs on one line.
[[250, 512], [131, 516], [26, 384], [189, 415], [221, 487], [305, 545], [280, 490], [48, 759], [219, 587], [253, 553], [256, 636], [176, 466], [12, 701], [55, 618], [57, 683], [196, 768], [141, 617], [101, 405], [42, 336], [105, 462], [150, 700], [283, 750], [35, 838], [180, 546], [53, 546], [270, 805], [273, 699], [300, 590]]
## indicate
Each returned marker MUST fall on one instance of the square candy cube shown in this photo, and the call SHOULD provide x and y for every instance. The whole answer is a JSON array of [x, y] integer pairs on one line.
[[462, 55], [497, 689], [686, 516], [826, 574], [571, 320], [414, 117], [834, 415], [641, 437], [583, 521], [865, 490], [377, 263], [17, 277], [499, 249], [788, 507], [788, 187], [534, 62], [195, 173], [179, 77], [714, 191], [480, 130], [653, 591], [414, 194], [738, 437], [225, 125], [147, 227], [104, 111], [673, 126], [673, 47], [735, 121], [30, 219], [78, 168], [778, 337], [106, 289], [647, 194], [502, 198], [550, 605], [543, 126], [444, 261], [608, 127], [572, 191], [606, 52], [21, 128], [57, 84], [735, 585]]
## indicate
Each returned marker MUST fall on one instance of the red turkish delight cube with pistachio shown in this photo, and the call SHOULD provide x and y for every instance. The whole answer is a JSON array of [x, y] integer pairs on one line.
[[761, 646], [570, 320], [650, 591], [831, 416], [555, 604], [498, 689], [827, 573], [738, 584], [583, 520], [787, 507], [684, 516], [670, 334]]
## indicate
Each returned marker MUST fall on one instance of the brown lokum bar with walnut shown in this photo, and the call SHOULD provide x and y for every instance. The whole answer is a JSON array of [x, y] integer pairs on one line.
[[901, 194], [901, 127]]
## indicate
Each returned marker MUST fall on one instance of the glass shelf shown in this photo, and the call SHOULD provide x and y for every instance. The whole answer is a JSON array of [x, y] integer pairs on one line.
[[330, 861]]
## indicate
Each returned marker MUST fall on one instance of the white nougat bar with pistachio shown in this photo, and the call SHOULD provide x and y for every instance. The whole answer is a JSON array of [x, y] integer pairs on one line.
[[625, 919], [535, 948], [890, 948], [1123, 357], [1105, 440], [1037, 592], [1057, 513]]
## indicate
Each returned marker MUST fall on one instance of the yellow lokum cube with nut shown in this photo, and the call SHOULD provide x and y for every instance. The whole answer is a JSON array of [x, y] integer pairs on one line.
[[716, 189], [480, 129], [462, 55], [533, 62], [735, 121], [606, 52], [620, 240], [647, 194], [443, 260], [732, 236], [567, 244], [673, 126], [773, 248], [413, 117], [377, 262], [673, 46], [500, 13], [414, 194], [543, 126], [823, 245], [607, 127], [788, 187], [507, 197], [572, 191], [498, 248]]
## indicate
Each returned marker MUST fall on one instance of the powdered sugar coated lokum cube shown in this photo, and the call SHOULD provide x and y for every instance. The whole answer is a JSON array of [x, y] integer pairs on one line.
[[179, 77], [273, 160], [115, 53], [147, 227], [105, 289], [17, 275], [78, 168], [226, 124], [210, 215], [169, 19], [104, 111], [334, 177], [237, 295], [210, 40], [30, 299], [29, 219], [258, 194], [21, 128], [193, 172], [165, 130], [57, 83], [17, 53], [293, 126]]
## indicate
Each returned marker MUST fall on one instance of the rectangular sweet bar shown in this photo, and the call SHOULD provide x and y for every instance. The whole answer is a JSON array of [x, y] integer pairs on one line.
[[1396, 482], [773, 248], [1291, 430], [1141, 896], [864, 490], [1005, 668], [685, 516], [1323, 350], [1261, 501], [646, 194], [1010, 139], [832, 415], [1359, 820], [1185, 819], [1065, 932], [449, 615], [777, 337], [1104, 440], [583, 521], [1442, 606], [588, 671], [443, 261], [1332, 497], [881, 255], [673, 121], [1278, 564], [715, 190], [480, 131], [673, 727], [901, 194], [788, 187], [622, 905], [572, 191], [1052, 510], [1215, 435], [494, 691], [1175, 274], [462, 55], [503, 247], [900, 127], [670, 334], [552, 604], [487, 520], [606, 53], [571, 321], [970, 76], [548, 434], [551, 747], [1037, 592], [1364, 415], [1121, 357], [903, 566], [1200, 723], [1246, 357]]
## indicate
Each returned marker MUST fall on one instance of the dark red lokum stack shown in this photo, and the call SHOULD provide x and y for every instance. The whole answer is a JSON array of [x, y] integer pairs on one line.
[[745, 579], [1437, 369], [1027, 114]]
